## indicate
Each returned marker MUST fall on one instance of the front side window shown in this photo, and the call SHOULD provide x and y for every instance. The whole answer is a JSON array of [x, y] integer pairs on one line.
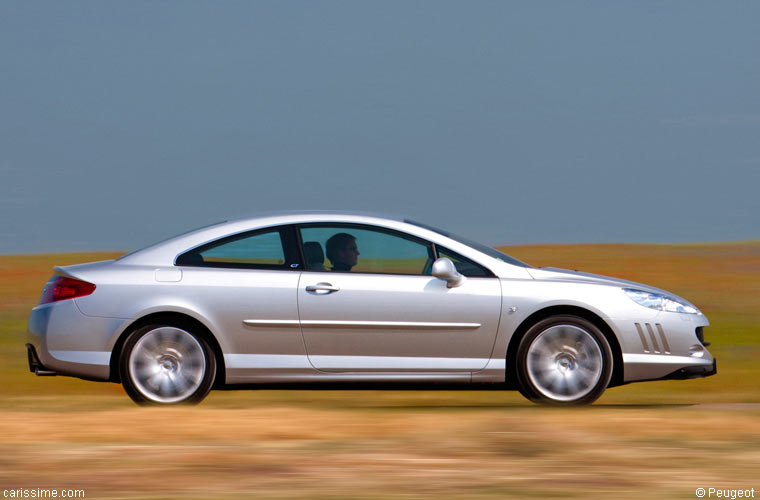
[[261, 249], [363, 249], [464, 265]]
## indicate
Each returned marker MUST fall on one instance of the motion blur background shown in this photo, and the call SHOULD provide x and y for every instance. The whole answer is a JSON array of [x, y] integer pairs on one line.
[[510, 122], [513, 123]]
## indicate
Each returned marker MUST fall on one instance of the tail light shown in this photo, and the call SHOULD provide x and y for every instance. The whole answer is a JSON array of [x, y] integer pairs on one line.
[[62, 288]]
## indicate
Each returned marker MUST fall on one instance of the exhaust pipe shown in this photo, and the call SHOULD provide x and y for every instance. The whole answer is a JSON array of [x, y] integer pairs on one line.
[[35, 365]]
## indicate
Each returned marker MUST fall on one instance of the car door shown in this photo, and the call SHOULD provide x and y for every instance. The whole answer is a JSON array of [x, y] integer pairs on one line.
[[245, 285], [367, 303]]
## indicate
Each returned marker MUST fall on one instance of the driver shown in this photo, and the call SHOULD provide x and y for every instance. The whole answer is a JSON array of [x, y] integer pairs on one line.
[[342, 251]]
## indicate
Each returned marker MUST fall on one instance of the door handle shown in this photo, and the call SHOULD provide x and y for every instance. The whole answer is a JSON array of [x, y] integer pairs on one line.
[[322, 287]]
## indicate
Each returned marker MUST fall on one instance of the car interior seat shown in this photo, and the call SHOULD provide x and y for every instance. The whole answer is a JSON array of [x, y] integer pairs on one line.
[[314, 255]]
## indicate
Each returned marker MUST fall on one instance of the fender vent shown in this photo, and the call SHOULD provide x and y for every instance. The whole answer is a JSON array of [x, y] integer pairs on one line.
[[701, 336], [652, 342]]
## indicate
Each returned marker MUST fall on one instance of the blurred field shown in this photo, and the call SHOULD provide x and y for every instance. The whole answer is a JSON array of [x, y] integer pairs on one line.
[[661, 439]]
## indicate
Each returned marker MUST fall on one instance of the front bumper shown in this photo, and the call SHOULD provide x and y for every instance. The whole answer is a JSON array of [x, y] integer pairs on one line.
[[693, 372]]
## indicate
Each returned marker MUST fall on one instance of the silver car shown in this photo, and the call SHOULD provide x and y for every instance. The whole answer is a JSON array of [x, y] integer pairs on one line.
[[346, 300]]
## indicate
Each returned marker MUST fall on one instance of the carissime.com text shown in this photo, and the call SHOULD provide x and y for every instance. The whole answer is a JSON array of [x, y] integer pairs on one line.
[[42, 493]]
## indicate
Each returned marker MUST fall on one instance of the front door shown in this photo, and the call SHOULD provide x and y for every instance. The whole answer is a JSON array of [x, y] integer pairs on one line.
[[367, 303]]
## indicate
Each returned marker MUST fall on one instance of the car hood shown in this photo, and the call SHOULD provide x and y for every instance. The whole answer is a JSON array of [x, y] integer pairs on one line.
[[557, 274]]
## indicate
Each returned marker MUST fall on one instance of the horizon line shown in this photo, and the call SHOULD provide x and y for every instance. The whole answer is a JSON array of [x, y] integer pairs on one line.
[[687, 243]]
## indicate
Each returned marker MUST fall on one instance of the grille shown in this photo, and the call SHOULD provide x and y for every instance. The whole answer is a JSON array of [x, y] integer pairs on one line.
[[652, 342]]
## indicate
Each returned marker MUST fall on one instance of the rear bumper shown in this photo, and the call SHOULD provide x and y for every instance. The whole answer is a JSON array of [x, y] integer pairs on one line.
[[35, 365], [67, 342]]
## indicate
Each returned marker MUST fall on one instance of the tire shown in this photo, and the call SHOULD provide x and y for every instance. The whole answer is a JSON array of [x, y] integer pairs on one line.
[[563, 360], [164, 364]]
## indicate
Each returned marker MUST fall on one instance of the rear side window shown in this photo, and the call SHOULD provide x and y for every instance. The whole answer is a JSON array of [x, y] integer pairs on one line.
[[266, 249]]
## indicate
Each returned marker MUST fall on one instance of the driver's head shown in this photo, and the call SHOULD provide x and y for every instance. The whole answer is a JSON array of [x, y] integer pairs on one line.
[[342, 251]]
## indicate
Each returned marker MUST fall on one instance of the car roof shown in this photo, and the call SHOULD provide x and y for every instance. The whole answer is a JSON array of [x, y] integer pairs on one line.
[[210, 232], [318, 213], [165, 252]]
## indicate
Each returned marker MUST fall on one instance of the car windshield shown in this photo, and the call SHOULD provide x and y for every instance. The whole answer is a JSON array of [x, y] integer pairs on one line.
[[491, 252]]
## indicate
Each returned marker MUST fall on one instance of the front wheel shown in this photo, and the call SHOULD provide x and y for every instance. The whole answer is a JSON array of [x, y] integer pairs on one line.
[[564, 360], [167, 364]]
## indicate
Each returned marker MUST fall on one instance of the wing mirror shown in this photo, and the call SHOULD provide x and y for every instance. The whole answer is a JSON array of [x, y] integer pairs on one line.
[[446, 270]]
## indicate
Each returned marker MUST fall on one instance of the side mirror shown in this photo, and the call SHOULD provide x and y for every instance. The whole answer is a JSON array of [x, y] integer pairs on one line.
[[446, 270]]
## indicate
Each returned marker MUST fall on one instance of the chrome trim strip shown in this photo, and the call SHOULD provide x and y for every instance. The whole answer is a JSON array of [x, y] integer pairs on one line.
[[390, 324], [102, 358], [271, 322], [656, 359], [419, 325]]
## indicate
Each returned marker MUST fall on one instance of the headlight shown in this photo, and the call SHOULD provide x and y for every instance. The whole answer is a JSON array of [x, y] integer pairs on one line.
[[660, 302]]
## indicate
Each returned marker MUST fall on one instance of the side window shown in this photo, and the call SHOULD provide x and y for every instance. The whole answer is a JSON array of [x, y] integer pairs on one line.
[[362, 249], [261, 249], [464, 265]]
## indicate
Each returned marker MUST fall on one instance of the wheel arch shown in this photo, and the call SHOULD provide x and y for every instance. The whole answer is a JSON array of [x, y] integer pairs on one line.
[[172, 318], [522, 329]]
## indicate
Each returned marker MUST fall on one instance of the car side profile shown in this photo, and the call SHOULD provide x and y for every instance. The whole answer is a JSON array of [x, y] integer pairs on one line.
[[339, 299]]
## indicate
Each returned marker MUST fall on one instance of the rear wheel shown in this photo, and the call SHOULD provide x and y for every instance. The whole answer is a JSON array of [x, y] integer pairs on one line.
[[564, 360], [167, 364]]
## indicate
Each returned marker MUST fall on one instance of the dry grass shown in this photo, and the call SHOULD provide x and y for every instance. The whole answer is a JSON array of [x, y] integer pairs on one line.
[[288, 452]]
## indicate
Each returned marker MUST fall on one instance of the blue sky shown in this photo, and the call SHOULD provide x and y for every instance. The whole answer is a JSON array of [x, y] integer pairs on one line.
[[122, 123]]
